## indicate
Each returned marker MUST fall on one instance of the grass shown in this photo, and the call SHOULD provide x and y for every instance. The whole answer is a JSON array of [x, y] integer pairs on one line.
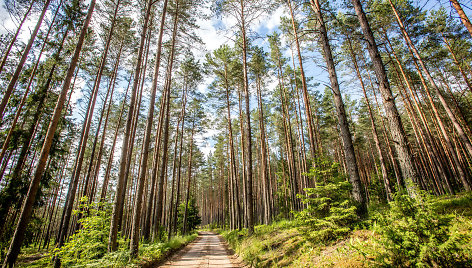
[[149, 254], [285, 244]]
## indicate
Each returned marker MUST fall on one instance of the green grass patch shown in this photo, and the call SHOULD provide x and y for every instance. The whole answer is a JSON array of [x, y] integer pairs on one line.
[[444, 224], [148, 254]]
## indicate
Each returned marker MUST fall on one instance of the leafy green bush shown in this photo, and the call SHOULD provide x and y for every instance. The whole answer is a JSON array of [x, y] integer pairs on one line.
[[193, 219], [413, 234], [330, 212], [90, 242]]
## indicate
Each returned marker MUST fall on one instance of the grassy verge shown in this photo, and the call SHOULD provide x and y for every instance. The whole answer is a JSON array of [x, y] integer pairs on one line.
[[282, 244], [149, 254], [287, 244]]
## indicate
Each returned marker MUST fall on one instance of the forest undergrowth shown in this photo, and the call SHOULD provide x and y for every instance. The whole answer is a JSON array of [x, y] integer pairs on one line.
[[423, 232], [88, 246]]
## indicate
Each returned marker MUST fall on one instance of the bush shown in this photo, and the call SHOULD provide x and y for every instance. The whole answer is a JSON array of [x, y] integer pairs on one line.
[[193, 219], [330, 212], [90, 242], [413, 234]]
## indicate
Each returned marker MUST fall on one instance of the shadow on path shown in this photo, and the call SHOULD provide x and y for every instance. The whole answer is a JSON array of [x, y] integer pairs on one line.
[[206, 251]]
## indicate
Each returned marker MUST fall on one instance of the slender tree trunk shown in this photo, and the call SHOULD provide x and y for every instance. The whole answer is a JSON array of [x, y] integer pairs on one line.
[[180, 123], [177, 196], [85, 132], [456, 61], [243, 157], [249, 198], [42, 94], [396, 128], [189, 177], [89, 192], [21, 63], [106, 177], [28, 87], [351, 163], [388, 188], [134, 242], [119, 197], [450, 114], [27, 208], [311, 128], [465, 20], [6, 53], [231, 147], [163, 168], [264, 163], [150, 120]]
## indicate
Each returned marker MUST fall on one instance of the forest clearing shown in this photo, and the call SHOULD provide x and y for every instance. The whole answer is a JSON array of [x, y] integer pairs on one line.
[[235, 133]]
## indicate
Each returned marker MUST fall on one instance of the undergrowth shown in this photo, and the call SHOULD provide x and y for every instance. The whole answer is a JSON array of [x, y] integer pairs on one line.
[[423, 232], [88, 246]]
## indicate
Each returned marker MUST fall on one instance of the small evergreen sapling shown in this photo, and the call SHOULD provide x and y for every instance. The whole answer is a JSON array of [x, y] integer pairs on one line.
[[412, 234], [330, 211]]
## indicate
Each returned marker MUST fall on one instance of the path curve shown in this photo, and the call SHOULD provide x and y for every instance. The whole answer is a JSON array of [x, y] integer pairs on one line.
[[207, 251]]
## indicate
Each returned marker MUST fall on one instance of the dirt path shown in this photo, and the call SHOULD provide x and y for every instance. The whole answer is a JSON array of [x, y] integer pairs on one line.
[[207, 251]]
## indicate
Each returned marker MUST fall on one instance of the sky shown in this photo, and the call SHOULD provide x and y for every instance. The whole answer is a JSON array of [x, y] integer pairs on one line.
[[213, 37]]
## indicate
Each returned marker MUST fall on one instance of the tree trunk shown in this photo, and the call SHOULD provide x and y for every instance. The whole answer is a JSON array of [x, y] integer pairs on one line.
[[351, 163], [28, 87], [231, 149], [450, 114], [264, 163], [311, 128], [27, 208], [119, 197], [21, 63], [396, 128], [12, 41], [180, 122], [134, 242], [81, 150], [150, 119], [388, 188], [249, 198], [465, 20], [163, 168], [189, 177]]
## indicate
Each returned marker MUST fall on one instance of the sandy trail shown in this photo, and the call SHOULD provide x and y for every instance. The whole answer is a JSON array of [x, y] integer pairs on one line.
[[206, 251]]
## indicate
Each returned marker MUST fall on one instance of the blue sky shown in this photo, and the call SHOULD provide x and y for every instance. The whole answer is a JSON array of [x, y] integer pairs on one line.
[[214, 35]]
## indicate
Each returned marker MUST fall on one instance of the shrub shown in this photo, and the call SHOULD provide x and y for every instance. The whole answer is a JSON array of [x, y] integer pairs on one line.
[[413, 234], [193, 219], [330, 212], [90, 242]]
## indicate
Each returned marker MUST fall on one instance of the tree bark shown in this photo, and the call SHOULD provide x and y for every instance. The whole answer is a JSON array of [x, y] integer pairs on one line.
[[119, 197], [27, 208], [465, 20], [358, 192], [21, 63], [396, 128]]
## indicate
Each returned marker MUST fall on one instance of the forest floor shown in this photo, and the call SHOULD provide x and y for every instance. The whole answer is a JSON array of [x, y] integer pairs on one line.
[[208, 250], [287, 244]]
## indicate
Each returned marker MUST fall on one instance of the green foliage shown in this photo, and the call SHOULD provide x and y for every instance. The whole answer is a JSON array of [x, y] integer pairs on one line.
[[88, 247], [274, 245], [412, 234], [90, 242], [330, 212], [156, 251], [193, 219]]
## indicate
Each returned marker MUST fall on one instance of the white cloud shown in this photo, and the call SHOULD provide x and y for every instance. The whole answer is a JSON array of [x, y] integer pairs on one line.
[[270, 22]]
